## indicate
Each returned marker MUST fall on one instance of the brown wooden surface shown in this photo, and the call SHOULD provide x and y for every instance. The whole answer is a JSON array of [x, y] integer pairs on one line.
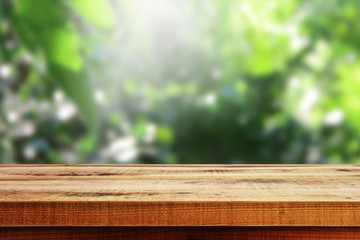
[[188, 233], [182, 195]]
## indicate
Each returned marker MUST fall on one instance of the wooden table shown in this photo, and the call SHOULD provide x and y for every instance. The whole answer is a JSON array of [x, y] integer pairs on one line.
[[180, 202]]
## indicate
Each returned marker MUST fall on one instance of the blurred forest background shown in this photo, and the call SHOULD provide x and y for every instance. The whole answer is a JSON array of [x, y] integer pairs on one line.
[[180, 81]]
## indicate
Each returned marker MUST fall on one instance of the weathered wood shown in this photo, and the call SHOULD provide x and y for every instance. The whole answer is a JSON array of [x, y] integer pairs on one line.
[[188, 233], [181, 195]]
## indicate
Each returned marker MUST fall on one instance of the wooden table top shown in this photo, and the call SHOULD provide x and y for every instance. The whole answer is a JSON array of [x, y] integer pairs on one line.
[[179, 195]]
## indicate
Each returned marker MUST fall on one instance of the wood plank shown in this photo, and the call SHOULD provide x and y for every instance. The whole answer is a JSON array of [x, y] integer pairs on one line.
[[180, 195], [188, 233]]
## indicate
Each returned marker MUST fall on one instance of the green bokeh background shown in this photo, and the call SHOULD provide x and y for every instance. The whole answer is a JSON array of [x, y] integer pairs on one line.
[[157, 81]]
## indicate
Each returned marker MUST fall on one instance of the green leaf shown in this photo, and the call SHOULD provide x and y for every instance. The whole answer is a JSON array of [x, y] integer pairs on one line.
[[79, 90], [24, 33], [139, 130], [61, 46], [52, 30], [164, 135], [43, 14], [97, 12], [88, 143]]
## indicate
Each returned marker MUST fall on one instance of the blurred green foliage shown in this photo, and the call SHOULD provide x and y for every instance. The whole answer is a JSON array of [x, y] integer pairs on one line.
[[157, 81]]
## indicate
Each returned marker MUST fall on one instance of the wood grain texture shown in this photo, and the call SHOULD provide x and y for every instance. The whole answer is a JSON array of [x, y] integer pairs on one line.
[[186, 233], [180, 195]]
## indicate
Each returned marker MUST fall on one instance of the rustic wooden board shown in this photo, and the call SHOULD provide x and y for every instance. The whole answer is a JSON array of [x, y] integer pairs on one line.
[[180, 195], [186, 233]]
